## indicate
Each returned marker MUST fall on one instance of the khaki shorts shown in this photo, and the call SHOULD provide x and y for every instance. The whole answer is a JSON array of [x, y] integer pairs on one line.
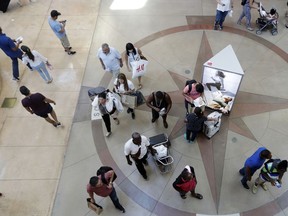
[[65, 42]]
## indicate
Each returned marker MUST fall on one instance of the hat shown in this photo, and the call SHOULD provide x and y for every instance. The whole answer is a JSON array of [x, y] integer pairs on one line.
[[54, 13]]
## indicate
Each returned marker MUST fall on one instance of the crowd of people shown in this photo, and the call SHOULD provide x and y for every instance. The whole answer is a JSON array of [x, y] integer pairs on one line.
[[138, 147]]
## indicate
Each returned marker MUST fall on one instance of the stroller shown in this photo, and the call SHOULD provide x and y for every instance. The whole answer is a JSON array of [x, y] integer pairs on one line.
[[267, 20]]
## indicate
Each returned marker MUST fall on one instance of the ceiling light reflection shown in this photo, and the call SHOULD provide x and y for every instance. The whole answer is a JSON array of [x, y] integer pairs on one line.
[[127, 4]]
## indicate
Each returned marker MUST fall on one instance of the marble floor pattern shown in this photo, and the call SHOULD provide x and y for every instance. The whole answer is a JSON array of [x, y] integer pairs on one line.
[[44, 170]]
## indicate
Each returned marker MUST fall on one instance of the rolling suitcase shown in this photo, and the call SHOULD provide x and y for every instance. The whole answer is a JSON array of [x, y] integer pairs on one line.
[[159, 139], [92, 93], [210, 128], [4, 5]]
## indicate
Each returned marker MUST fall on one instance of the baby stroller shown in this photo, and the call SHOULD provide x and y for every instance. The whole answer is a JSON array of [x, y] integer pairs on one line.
[[160, 144], [267, 20]]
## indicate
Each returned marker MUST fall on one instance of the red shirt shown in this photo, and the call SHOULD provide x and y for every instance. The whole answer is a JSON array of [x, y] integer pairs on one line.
[[102, 190]]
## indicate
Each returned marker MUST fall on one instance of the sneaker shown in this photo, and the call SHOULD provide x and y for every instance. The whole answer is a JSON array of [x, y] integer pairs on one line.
[[58, 125], [108, 134], [220, 28], [128, 110], [245, 185], [153, 120], [165, 124], [146, 178], [250, 29], [49, 81], [215, 27], [254, 189], [133, 115], [16, 79], [71, 52], [183, 196], [264, 186], [68, 48]]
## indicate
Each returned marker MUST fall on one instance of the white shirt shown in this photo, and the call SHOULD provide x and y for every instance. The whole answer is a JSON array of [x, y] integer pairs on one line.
[[227, 6], [121, 89], [131, 148], [132, 57], [38, 59], [111, 60]]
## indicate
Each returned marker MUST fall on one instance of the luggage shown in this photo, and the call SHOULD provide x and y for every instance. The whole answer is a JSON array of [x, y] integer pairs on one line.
[[4, 5], [95, 91], [210, 128], [159, 139]]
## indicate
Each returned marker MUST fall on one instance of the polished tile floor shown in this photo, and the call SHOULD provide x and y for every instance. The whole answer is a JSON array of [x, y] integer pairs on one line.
[[44, 170]]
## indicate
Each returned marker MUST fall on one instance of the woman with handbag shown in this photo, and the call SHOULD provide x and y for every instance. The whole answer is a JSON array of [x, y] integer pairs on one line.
[[37, 62], [186, 182], [124, 87], [133, 54]]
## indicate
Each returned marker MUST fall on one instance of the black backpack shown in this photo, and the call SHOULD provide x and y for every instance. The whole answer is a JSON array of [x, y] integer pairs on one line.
[[190, 82], [102, 170]]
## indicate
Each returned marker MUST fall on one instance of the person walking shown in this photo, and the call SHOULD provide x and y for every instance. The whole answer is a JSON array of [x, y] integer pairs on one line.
[[160, 104], [194, 123], [103, 186], [253, 163], [247, 5], [124, 87], [186, 182], [137, 148], [272, 172], [40, 105], [108, 105], [110, 59], [37, 62], [11, 49], [223, 8], [58, 28], [133, 54]]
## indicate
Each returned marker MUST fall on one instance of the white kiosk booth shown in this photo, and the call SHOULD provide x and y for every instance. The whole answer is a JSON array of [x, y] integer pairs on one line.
[[222, 76]]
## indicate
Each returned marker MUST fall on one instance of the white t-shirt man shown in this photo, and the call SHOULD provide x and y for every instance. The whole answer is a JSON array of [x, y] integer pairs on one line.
[[131, 148], [110, 60]]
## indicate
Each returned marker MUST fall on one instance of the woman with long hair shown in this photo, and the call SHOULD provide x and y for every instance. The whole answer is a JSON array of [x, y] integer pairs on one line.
[[37, 62], [133, 54], [123, 86]]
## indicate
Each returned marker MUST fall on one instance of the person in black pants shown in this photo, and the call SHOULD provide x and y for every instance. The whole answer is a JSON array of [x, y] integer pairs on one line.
[[137, 148], [160, 103], [194, 123]]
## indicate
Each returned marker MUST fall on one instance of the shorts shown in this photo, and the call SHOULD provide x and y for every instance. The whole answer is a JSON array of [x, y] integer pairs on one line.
[[45, 112], [65, 42]]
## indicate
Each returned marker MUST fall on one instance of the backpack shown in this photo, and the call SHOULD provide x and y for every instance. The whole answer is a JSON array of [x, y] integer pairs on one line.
[[273, 168], [102, 170], [190, 82]]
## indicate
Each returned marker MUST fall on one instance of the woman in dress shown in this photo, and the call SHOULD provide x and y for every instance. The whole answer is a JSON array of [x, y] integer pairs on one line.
[[37, 62], [133, 54], [124, 87]]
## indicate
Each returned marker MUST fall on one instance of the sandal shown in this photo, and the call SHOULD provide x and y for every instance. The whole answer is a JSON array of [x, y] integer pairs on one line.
[[139, 86], [197, 196]]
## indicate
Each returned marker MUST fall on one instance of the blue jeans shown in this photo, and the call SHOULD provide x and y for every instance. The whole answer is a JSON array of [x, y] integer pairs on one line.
[[15, 67], [220, 17], [115, 200], [42, 70], [246, 13], [242, 172]]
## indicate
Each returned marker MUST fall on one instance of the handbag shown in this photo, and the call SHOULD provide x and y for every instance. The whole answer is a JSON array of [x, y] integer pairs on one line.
[[129, 100], [140, 97], [94, 207]]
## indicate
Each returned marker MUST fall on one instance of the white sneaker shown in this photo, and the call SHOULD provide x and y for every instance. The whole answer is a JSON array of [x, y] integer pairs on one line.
[[108, 134]]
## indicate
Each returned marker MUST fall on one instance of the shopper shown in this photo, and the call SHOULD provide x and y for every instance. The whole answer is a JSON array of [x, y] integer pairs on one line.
[[186, 182], [133, 54], [247, 5], [160, 104], [37, 62], [58, 28], [223, 8], [191, 92], [253, 163], [110, 59], [137, 148], [40, 105], [124, 87]]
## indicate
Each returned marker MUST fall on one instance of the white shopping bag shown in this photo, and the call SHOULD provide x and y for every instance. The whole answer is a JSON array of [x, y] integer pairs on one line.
[[139, 68]]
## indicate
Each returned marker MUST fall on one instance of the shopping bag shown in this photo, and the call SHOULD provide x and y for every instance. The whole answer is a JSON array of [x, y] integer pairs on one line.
[[139, 68], [94, 207], [129, 101], [140, 97]]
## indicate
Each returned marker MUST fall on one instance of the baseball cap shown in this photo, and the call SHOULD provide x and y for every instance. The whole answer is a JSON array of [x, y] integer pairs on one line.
[[54, 13]]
